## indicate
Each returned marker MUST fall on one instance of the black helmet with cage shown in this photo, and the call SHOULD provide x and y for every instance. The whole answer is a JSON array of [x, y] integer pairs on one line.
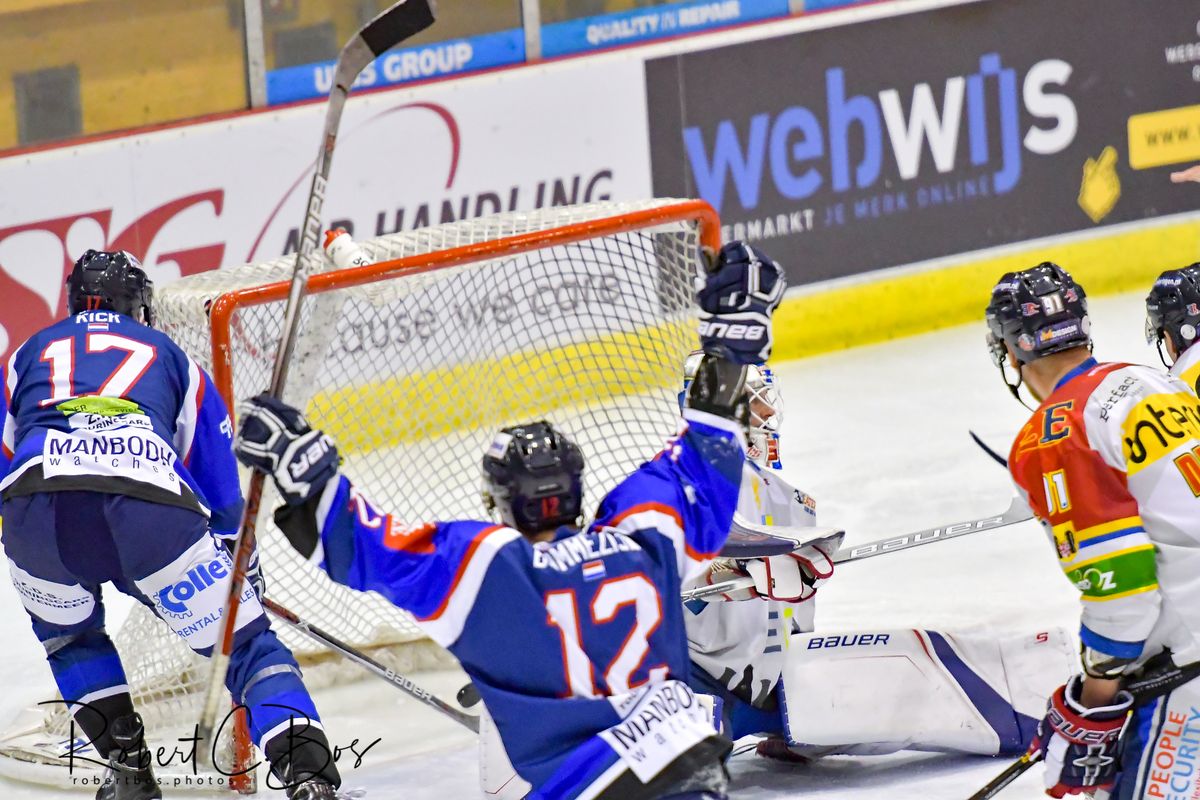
[[1036, 312], [1173, 309], [111, 281], [533, 478]]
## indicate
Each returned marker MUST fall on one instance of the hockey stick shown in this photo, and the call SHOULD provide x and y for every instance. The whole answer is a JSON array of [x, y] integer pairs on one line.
[[371, 665], [1016, 513], [750, 540], [1147, 687], [399, 22], [999, 459]]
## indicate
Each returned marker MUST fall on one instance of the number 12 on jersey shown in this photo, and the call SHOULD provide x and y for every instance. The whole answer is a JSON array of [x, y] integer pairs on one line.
[[562, 610]]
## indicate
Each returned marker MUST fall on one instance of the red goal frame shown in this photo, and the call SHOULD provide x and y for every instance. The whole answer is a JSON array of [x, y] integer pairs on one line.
[[226, 305], [223, 308]]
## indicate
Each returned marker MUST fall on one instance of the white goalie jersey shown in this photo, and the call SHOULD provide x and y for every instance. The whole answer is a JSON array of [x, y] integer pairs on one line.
[[742, 644]]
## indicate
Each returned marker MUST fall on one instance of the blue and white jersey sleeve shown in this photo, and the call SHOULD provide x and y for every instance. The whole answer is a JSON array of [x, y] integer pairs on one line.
[[8, 442], [433, 570], [204, 442], [680, 505]]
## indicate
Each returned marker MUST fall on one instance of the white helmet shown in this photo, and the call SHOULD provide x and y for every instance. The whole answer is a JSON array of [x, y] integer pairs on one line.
[[766, 409]]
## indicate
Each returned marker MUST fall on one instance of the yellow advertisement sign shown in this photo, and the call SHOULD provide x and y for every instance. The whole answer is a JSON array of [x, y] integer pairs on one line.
[[1164, 137]]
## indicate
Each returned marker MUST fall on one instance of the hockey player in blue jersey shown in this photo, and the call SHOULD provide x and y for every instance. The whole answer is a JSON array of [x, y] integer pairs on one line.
[[592, 701], [117, 466]]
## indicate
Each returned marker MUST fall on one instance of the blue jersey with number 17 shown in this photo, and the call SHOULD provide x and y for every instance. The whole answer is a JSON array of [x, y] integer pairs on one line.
[[100, 402], [576, 645]]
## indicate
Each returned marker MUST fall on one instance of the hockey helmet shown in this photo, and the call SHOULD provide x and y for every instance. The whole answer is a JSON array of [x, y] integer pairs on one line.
[[112, 281], [766, 409], [533, 478], [1173, 309], [1037, 312]]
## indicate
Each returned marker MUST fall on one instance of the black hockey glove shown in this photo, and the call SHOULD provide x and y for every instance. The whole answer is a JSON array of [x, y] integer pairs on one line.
[[719, 387], [275, 438], [736, 303], [254, 574], [1080, 745]]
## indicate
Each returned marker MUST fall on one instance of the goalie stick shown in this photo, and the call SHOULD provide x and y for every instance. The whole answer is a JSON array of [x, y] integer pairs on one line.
[[1016, 512], [398, 23], [371, 665], [1147, 687]]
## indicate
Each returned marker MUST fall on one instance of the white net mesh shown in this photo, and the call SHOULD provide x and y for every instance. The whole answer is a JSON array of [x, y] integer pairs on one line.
[[413, 375]]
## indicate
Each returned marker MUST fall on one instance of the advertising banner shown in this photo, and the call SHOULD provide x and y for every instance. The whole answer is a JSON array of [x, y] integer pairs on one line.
[[232, 191], [655, 22], [401, 65], [901, 139], [502, 48]]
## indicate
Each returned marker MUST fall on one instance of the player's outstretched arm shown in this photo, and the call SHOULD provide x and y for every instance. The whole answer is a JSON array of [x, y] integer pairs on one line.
[[328, 521], [686, 497]]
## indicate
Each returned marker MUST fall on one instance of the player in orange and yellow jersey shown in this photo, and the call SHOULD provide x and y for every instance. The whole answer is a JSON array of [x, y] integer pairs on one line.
[[1110, 464]]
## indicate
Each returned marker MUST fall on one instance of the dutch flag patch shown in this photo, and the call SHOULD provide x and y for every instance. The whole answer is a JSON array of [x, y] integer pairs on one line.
[[593, 570]]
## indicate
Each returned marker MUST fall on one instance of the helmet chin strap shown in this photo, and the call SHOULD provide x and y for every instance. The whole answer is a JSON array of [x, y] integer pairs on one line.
[[1015, 387], [1161, 357]]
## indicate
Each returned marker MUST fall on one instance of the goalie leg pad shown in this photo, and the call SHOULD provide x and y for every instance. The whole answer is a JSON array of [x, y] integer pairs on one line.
[[881, 691], [497, 777]]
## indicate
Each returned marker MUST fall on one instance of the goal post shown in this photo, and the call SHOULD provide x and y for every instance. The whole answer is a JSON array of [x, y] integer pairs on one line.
[[581, 315]]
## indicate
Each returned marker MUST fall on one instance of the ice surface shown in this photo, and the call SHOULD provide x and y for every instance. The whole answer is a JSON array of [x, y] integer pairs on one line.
[[878, 435]]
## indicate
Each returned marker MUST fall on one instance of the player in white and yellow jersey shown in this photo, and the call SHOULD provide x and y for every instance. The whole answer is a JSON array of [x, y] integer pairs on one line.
[[741, 644], [1173, 322], [1110, 464], [866, 692]]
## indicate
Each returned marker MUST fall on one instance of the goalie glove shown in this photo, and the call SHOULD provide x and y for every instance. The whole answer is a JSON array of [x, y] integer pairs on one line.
[[1080, 745], [275, 438], [792, 577], [725, 569], [736, 301]]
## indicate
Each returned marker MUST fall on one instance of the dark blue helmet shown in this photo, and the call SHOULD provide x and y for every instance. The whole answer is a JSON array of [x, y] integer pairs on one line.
[[1173, 308], [112, 281], [1037, 312], [533, 478]]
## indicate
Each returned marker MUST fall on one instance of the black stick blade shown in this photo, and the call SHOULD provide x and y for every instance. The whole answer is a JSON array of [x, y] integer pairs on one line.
[[400, 22], [999, 459]]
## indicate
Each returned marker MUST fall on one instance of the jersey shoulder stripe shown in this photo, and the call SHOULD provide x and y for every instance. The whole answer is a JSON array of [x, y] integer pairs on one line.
[[445, 623]]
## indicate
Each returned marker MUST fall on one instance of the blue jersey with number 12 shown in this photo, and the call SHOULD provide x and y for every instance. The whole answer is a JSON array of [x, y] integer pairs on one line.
[[577, 645], [100, 402]]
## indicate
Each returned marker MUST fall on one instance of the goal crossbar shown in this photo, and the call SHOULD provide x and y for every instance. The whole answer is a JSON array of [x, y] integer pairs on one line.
[[224, 307]]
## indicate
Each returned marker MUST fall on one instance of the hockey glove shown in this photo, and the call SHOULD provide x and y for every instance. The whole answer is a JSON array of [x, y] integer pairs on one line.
[[254, 575], [792, 577], [724, 569], [1080, 745], [736, 303], [276, 439]]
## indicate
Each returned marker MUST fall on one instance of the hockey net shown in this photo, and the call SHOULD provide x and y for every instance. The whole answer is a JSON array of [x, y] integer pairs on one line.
[[581, 315]]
